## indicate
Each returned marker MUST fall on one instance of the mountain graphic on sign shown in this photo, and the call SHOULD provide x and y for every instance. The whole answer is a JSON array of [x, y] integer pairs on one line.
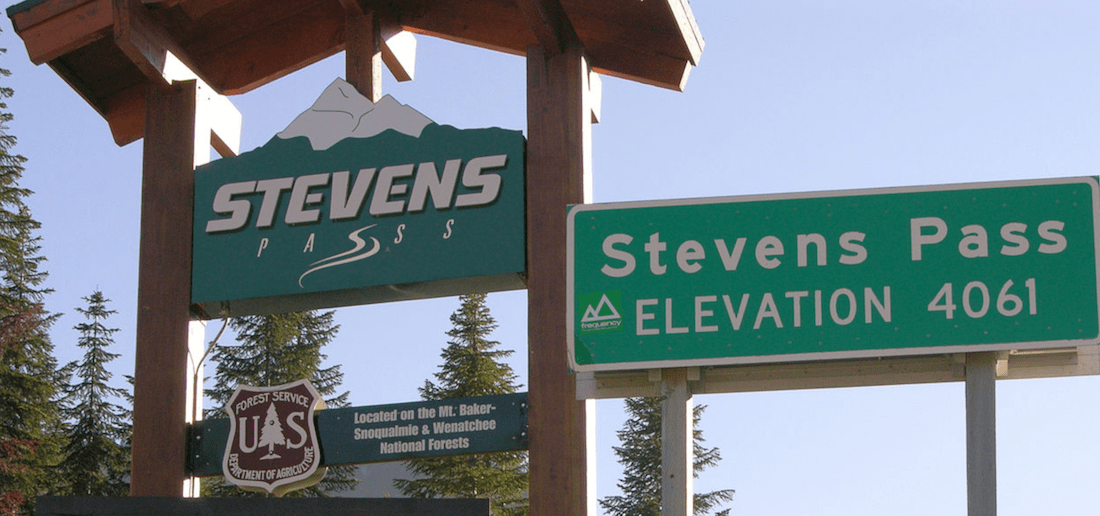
[[342, 112], [603, 311], [328, 196]]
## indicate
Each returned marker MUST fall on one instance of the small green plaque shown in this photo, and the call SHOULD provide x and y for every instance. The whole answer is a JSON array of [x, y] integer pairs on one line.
[[381, 433]]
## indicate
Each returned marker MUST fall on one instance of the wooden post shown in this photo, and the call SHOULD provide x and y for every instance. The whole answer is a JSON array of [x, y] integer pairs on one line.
[[164, 292], [677, 471], [363, 52], [558, 149], [981, 434]]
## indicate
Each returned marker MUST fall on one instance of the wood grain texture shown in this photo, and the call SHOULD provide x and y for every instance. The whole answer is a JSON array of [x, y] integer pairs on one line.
[[557, 157], [67, 31], [236, 46], [164, 292], [363, 53]]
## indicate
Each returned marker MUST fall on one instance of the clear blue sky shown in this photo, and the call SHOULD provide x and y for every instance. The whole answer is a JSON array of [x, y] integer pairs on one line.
[[789, 96]]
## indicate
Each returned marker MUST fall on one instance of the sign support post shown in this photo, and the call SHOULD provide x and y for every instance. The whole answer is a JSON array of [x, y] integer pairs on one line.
[[164, 292], [677, 490], [558, 129], [183, 121], [981, 434], [363, 51]]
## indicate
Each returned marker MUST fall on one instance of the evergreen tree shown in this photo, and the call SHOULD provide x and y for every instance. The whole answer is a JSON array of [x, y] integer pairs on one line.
[[273, 350], [31, 433], [97, 459], [471, 367], [272, 432], [640, 456]]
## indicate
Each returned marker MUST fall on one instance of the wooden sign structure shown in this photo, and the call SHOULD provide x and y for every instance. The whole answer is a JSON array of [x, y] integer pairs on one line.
[[153, 68]]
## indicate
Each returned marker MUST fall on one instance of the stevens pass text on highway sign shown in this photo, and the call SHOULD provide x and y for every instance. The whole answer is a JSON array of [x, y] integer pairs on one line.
[[851, 274]]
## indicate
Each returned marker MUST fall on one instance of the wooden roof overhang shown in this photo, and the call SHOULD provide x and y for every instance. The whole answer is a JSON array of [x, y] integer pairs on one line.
[[110, 50]]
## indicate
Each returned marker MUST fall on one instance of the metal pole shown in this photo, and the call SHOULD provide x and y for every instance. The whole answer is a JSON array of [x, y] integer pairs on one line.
[[677, 472], [981, 434]]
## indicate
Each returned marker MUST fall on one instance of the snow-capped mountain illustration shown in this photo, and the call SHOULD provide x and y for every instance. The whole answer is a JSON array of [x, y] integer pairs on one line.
[[342, 112]]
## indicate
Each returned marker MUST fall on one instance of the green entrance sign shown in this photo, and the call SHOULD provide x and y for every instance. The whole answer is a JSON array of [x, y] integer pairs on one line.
[[355, 203], [851, 274], [381, 433]]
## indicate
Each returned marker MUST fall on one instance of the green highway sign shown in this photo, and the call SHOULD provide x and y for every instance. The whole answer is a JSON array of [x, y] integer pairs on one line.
[[380, 433], [847, 274]]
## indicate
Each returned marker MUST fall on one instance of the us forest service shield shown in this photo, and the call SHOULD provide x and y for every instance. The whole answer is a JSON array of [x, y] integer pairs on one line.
[[272, 443]]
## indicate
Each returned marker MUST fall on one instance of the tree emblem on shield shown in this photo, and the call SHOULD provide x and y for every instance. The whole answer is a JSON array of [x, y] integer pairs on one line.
[[272, 443]]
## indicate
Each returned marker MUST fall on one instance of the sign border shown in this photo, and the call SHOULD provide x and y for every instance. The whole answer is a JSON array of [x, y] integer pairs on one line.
[[1092, 182], [284, 485]]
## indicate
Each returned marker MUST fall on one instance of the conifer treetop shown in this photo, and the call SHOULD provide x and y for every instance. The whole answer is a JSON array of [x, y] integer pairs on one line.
[[472, 366]]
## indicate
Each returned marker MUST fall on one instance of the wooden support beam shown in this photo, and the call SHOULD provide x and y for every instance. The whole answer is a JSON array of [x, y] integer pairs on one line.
[[689, 30], [363, 52], [369, 30], [551, 26], [164, 292], [648, 55], [595, 95], [67, 30], [658, 70], [111, 45], [147, 44], [218, 125], [274, 50], [25, 18], [196, 9], [399, 52], [181, 127], [125, 114], [196, 351], [558, 159], [218, 122]]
